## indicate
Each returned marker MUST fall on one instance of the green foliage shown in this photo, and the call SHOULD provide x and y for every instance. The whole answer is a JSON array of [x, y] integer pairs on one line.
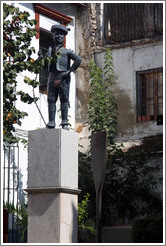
[[18, 31], [102, 114], [130, 181], [85, 178], [17, 57], [148, 230], [20, 214], [84, 224], [22, 220], [86, 184], [102, 102], [9, 206], [130, 186], [130, 177], [82, 213]]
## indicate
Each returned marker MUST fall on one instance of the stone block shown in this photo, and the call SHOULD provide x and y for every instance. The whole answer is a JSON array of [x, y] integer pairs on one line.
[[52, 218], [53, 158]]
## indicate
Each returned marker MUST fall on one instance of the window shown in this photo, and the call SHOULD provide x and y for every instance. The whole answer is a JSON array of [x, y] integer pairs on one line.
[[44, 42], [149, 95], [130, 21]]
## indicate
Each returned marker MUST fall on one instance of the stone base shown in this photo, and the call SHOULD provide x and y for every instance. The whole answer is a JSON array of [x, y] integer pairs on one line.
[[52, 186], [52, 218]]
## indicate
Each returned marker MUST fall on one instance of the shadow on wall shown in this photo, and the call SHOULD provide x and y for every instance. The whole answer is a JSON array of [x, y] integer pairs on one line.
[[126, 117], [74, 236]]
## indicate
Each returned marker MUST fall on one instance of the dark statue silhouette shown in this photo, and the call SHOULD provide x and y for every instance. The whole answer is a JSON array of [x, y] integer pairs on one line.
[[59, 76]]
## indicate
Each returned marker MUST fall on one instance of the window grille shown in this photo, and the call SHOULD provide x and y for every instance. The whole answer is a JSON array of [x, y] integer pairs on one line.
[[12, 191], [10, 187], [125, 22], [11, 174], [149, 94]]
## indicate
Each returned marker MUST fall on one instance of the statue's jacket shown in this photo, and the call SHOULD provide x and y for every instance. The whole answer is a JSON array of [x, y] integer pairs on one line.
[[63, 61]]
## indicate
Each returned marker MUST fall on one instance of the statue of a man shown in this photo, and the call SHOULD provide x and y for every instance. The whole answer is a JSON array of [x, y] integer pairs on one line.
[[59, 76]]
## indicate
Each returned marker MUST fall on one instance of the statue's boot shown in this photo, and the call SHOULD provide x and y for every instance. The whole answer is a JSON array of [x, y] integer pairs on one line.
[[51, 115], [64, 114]]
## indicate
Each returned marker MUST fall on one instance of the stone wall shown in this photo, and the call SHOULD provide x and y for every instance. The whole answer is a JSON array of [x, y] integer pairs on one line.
[[89, 38], [83, 48]]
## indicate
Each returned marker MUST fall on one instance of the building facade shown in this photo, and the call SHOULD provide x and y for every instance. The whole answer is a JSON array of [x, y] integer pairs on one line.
[[134, 33]]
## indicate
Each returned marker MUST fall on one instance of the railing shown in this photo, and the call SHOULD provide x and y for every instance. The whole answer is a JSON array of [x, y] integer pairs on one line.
[[11, 192], [11, 174]]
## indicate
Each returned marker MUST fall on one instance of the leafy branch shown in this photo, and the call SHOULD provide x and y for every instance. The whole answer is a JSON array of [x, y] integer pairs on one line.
[[102, 103], [18, 31], [83, 215]]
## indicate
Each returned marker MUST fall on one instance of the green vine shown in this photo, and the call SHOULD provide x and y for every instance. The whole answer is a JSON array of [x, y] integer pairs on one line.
[[20, 214], [102, 103], [84, 224]]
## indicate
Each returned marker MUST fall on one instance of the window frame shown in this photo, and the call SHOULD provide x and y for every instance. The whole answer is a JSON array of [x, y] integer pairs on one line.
[[52, 14], [142, 90]]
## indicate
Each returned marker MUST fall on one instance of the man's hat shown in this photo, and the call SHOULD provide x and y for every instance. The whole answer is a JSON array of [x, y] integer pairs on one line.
[[59, 27]]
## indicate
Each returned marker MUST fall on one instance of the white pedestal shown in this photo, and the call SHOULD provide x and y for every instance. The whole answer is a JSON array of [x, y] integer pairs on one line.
[[52, 186]]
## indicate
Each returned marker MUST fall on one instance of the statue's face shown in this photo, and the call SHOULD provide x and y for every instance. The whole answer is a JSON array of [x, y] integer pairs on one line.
[[58, 37]]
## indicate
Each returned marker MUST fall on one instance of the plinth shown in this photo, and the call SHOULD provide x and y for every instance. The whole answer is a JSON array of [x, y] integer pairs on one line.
[[52, 186]]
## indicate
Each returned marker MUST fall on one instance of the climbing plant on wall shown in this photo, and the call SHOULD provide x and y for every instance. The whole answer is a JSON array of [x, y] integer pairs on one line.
[[131, 175], [102, 103]]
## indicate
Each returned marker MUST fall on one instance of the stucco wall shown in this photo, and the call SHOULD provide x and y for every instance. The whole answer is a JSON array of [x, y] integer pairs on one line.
[[127, 61]]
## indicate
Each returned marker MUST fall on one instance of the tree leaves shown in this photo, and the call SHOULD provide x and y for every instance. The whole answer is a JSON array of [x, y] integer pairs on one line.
[[32, 82], [18, 32], [102, 103], [26, 98]]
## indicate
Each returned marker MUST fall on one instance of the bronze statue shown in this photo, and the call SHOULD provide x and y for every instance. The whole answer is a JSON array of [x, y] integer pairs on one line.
[[59, 76]]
